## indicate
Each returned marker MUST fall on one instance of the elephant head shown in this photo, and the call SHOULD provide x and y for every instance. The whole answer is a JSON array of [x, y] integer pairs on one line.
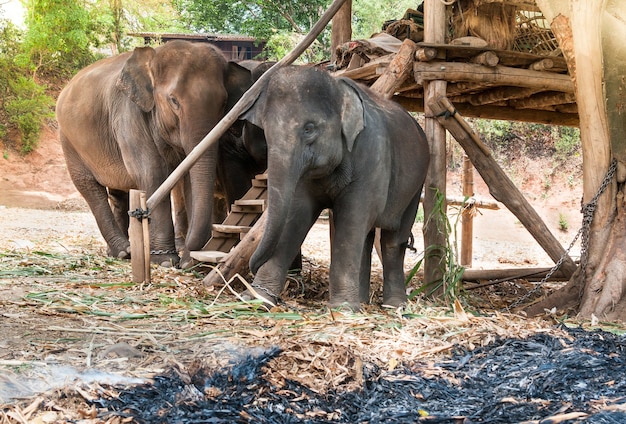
[[309, 130], [184, 89]]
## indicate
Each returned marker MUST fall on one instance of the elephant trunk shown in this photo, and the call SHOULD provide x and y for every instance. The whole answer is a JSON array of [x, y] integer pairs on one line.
[[202, 177], [282, 181]]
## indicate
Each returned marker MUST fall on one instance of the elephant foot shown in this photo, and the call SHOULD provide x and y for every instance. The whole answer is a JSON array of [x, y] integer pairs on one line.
[[269, 298], [344, 306], [119, 253], [186, 261], [393, 301], [164, 258]]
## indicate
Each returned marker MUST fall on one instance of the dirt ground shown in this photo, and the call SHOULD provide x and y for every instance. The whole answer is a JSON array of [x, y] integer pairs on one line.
[[68, 313]]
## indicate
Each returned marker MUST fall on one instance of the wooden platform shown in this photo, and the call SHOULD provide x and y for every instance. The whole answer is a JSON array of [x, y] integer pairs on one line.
[[483, 82]]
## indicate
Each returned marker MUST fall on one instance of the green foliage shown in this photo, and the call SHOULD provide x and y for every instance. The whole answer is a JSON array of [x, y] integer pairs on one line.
[[24, 105], [563, 224], [276, 22], [566, 142], [58, 38], [28, 107], [368, 16], [450, 285]]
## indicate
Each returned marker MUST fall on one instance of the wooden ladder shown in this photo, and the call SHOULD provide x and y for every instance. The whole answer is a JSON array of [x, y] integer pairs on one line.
[[243, 214]]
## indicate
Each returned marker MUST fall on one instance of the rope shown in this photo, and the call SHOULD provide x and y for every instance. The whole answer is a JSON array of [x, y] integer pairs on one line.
[[587, 210]]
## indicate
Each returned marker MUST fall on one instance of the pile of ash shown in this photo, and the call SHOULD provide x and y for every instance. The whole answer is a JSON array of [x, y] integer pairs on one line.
[[565, 380]]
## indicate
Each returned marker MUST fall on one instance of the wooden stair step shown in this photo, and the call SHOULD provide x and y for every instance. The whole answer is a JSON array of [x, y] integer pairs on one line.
[[231, 229], [259, 183], [213, 256]]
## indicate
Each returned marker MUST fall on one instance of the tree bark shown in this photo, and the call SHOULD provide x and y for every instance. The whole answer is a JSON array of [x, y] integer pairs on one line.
[[341, 29], [587, 33]]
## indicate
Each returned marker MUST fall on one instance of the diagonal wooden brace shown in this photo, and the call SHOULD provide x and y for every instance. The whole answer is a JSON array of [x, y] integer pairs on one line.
[[500, 186]]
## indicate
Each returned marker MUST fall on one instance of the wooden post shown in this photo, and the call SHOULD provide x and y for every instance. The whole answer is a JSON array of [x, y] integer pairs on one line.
[[139, 235], [435, 232], [467, 219], [500, 186]]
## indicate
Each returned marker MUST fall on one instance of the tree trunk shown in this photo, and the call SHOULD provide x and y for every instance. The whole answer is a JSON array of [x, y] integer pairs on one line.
[[341, 29], [588, 34]]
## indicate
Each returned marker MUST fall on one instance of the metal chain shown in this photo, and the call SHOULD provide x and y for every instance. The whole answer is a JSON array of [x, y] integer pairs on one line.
[[164, 252], [587, 210]]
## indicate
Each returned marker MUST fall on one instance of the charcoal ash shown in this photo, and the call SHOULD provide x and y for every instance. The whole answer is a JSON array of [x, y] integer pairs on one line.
[[507, 381]]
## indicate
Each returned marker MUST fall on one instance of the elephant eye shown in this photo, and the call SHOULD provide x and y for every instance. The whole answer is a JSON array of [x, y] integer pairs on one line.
[[309, 132], [174, 102]]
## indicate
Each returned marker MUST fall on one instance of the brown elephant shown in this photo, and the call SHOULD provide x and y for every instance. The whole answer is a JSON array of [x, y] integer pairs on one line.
[[126, 122]]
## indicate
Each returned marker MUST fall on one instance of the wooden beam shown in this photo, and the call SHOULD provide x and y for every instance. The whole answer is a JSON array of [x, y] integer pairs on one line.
[[487, 58], [500, 186], [542, 100], [397, 72], [498, 112], [498, 95], [498, 75]]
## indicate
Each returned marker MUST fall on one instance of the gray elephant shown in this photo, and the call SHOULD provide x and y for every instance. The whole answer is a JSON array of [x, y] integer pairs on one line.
[[335, 144], [126, 122]]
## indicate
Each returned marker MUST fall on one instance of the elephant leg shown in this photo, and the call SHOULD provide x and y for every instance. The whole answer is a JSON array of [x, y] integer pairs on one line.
[[366, 268], [393, 246], [347, 267], [181, 222], [162, 242], [119, 205], [272, 274], [96, 197]]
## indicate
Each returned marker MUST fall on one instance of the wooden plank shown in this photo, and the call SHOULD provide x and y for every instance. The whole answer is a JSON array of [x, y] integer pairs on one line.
[[211, 256], [231, 229], [467, 218], [500, 186]]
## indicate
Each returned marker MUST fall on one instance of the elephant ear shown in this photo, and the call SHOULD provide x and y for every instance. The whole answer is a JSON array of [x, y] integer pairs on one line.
[[135, 79], [254, 114], [352, 119], [237, 81]]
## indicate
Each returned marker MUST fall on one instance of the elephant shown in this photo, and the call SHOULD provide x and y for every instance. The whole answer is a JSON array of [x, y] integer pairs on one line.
[[332, 143], [127, 121]]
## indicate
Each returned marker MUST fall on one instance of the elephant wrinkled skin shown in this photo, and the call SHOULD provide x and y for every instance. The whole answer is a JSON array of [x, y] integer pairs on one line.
[[126, 122], [335, 144]]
